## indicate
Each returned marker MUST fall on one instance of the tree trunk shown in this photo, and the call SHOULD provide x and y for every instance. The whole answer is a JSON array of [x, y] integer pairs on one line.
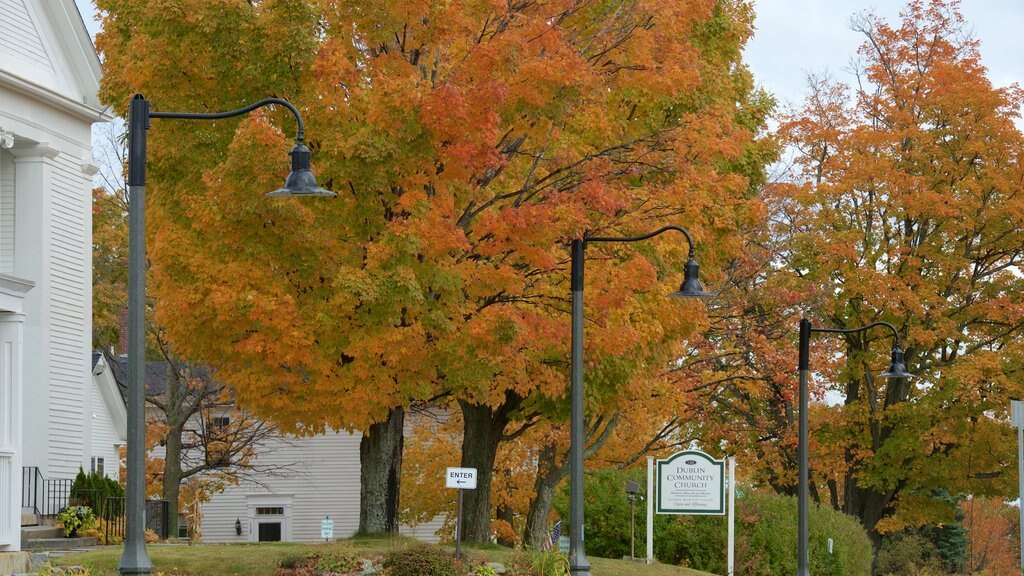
[[508, 515], [172, 478], [380, 467], [482, 432], [548, 477]]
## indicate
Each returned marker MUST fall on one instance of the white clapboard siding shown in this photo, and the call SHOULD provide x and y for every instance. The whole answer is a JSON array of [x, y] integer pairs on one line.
[[320, 478], [104, 439], [6, 212], [68, 349], [18, 34]]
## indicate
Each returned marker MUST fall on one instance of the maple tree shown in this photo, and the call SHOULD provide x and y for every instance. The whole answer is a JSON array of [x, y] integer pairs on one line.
[[993, 528], [469, 141], [906, 206]]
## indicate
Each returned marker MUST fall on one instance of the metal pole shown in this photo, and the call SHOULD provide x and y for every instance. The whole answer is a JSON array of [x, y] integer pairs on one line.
[[458, 528], [803, 559], [632, 530], [578, 563], [134, 559], [1020, 480]]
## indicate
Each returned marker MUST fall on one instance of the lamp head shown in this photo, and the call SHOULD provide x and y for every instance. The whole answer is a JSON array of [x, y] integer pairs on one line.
[[632, 487], [691, 286], [897, 368], [300, 181], [238, 526]]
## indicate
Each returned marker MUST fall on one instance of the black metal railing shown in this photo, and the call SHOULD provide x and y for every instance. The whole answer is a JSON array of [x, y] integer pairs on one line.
[[44, 497], [31, 486], [48, 497], [56, 495]]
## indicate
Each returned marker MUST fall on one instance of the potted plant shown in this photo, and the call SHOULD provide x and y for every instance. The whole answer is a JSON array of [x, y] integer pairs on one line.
[[75, 518]]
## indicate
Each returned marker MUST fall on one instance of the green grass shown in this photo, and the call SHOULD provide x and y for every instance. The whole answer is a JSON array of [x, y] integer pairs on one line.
[[261, 559]]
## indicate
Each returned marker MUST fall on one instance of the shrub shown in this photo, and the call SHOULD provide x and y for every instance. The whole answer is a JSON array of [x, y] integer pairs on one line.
[[766, 532], [422, 560], [338, 563], [95, 491], [908, 554], [75, 518], [550, 563]]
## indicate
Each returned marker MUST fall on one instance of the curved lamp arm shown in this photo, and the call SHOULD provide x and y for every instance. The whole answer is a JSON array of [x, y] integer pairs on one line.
[[689, 240], [299, 137], [895, 333]]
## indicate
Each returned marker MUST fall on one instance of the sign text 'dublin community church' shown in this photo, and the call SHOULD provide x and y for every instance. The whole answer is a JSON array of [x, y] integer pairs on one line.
[[691, 482]]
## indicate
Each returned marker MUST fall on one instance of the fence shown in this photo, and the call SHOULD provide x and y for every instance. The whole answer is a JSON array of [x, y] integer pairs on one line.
[[44, 497], [48, 497]]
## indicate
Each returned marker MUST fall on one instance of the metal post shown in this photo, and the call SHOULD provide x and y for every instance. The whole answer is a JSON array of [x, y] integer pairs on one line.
[[1020, 477], [134, 559], [803, 559], [632, 530], [458, 528], [578, 564]]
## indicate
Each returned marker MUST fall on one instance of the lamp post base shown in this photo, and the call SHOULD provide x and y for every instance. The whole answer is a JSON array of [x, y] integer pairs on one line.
[[579, 565], [135, 560]]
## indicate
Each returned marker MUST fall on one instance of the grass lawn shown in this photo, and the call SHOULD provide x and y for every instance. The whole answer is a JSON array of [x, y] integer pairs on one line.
[[261, 559]]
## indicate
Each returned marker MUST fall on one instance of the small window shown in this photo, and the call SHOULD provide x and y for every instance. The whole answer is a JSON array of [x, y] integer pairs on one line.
[[270, 511], [97, 466], [220, 422]]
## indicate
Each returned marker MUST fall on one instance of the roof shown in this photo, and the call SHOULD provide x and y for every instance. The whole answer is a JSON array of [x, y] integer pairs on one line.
[[157, 373]]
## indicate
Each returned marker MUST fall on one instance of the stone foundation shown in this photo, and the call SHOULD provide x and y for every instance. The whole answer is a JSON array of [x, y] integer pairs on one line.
[[15, 562]]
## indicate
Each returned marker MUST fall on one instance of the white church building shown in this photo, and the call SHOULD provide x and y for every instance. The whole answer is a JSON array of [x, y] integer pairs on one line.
[[51, 407]]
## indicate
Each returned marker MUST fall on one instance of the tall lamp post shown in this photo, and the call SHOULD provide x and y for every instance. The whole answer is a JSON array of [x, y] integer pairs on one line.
[[300, 182], [690, 288], [897, 369]]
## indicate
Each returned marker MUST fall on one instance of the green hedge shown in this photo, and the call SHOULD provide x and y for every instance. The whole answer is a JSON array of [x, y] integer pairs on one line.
[[94, 490], [766, 532]]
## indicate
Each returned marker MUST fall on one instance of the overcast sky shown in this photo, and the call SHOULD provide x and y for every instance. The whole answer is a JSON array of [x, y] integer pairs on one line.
[[795, 37]]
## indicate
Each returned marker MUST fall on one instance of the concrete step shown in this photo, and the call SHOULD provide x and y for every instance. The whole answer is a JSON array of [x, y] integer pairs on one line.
[[60, 543], [40, 532], [29, 519]]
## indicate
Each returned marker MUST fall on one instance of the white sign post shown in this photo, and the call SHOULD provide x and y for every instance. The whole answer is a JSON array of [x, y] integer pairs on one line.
[[731, 554], [1017, 420], [327, 528], [460, 479], [650, 510]]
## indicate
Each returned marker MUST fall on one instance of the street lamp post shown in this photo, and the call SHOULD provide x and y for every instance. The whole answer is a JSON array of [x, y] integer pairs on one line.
[[300, 182], [897, 369], [690, 288]]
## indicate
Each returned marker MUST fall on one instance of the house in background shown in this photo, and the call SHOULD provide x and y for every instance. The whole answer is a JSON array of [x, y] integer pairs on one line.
[[49, 77], [108, 418], [290, 484]]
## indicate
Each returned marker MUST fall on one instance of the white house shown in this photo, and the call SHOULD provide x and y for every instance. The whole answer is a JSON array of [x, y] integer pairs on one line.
[[49, 77], [107, 422], [318, 479]]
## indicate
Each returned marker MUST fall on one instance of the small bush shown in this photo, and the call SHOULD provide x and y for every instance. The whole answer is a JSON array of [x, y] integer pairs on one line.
[[422, 560], [339, 563], [907, 555], [292, 561], [550, 563]]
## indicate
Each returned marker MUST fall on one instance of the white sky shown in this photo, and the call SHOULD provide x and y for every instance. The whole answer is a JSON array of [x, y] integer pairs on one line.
[[795, 37]]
